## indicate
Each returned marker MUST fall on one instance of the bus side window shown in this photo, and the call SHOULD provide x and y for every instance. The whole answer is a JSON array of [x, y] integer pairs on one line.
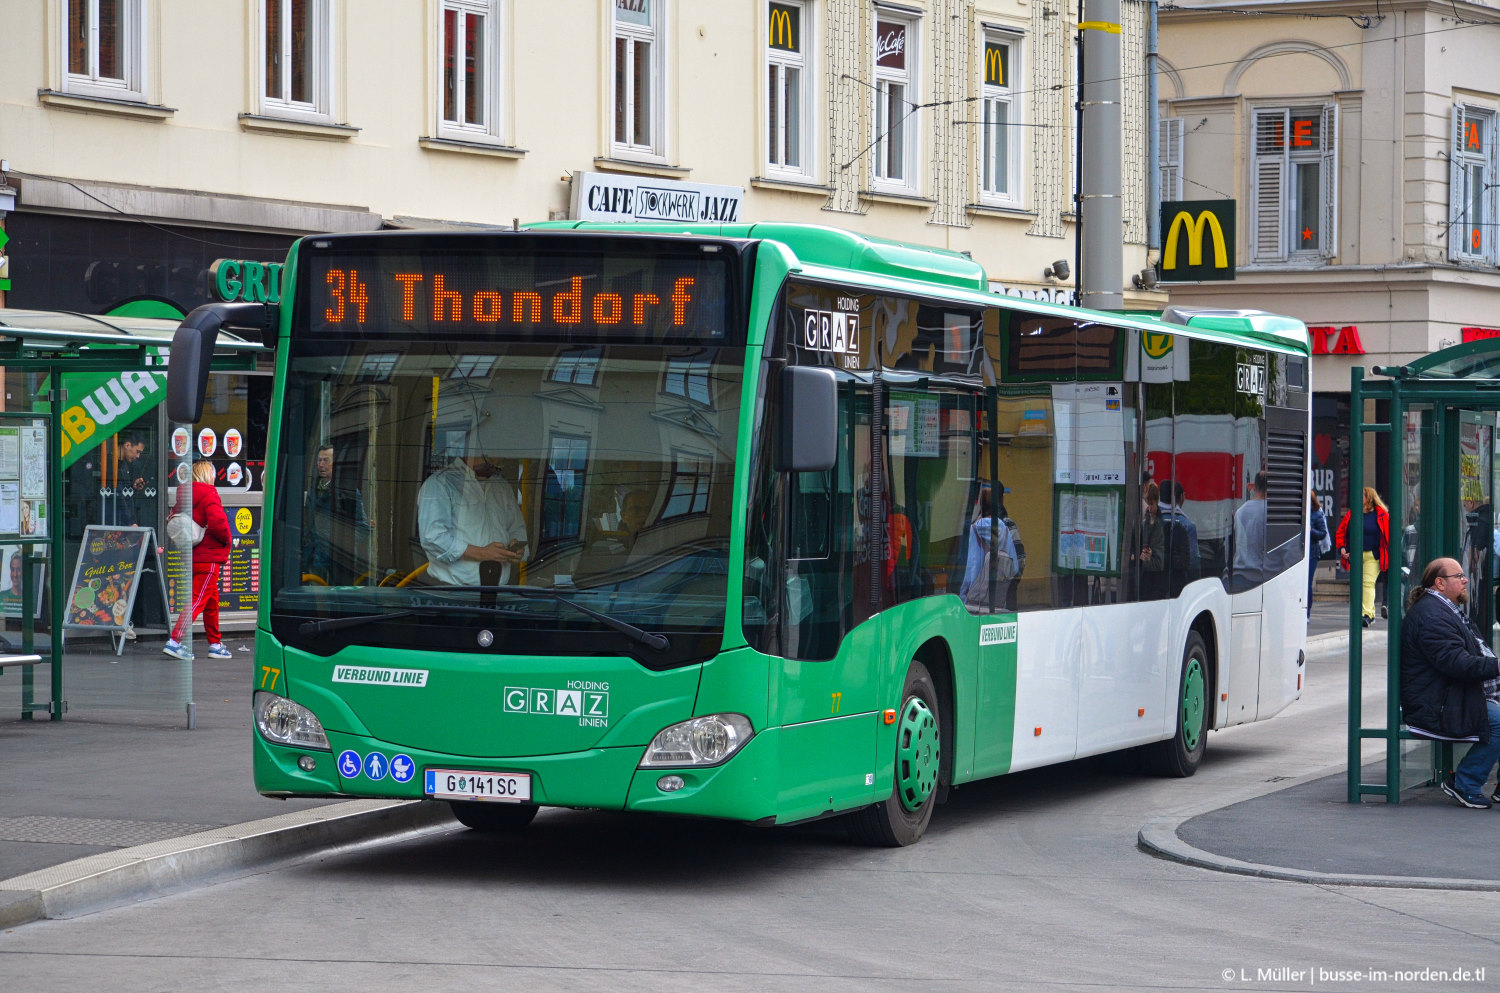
[[809, 514]]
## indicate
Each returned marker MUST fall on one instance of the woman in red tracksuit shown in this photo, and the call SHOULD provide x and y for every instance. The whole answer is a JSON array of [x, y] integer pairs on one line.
[[209, 556], [1377, 544]]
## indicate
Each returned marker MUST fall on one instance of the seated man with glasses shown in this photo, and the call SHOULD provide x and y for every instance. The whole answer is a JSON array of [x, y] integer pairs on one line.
[[1449, 677]]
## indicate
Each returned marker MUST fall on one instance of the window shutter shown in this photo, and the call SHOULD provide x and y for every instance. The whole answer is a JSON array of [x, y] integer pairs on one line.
[[1268, 179], [1169, 142], [1456, 226], [1329, 174]]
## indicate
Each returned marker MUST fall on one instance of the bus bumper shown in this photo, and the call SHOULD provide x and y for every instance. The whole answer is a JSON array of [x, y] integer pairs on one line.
[[601, 778]]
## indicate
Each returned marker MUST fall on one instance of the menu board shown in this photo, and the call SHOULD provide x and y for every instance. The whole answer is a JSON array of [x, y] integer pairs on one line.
[[23, 477], [239, 582], [239, 578], [107, 576]]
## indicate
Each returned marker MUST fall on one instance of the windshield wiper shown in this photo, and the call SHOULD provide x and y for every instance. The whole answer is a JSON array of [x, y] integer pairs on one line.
[[316, 628], [656, 642]]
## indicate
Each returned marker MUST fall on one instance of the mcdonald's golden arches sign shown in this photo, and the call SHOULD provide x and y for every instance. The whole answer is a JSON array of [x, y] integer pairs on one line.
[[1198, 239], [786, 28], [996, 64]]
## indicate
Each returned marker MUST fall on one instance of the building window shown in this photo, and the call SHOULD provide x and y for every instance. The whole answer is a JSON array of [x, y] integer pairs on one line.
[[789, 92], [895, 139], [998, 145], [563, 489], [1294, 178], [296, 58], [469, 40], [637, 77], [579, 367], [1169, 159], [1472, 213], [688, 491], [105, 48], [688, 378]]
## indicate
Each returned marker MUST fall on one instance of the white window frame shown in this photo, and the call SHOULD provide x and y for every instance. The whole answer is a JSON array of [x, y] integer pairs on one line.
[[779, 66], [320, 108], [992, 99], [131, 83], [1169, 135], [654, 35], [1273, 185], [1460, 225], [491, 127], [910, 179]]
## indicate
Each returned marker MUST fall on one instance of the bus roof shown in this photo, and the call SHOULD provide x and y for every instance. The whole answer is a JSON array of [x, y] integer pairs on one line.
[[850, 254], [816, 244]]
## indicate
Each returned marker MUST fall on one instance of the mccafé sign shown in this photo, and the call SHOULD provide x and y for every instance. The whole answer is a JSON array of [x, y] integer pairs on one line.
[[1199, 241]]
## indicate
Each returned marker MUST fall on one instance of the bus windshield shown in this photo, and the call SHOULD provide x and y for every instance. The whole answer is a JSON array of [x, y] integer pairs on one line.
[[417, 479]]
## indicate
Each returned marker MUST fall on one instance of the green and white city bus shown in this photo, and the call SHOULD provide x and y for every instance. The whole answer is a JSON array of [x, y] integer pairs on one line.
[[746, 464]]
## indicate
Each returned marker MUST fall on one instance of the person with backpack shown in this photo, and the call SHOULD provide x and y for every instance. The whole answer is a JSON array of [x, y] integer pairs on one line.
[[991, 552], [1183, 561]]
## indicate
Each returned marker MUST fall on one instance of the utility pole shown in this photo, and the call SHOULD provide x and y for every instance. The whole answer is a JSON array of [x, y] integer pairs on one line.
[[1102, 248]]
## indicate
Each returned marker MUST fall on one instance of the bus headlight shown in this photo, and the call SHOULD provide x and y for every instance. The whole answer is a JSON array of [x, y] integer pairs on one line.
[[700, 741], [288, 723]]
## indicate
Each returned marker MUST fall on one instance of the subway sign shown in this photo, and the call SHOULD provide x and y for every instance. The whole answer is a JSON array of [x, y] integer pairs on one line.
[[1198, 239]]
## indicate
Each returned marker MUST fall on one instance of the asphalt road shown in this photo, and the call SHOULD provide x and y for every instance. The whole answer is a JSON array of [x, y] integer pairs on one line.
[[1030, 882]]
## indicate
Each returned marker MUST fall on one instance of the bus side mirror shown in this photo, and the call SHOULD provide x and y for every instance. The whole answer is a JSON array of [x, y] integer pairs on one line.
[[193, 353], [809, 420]]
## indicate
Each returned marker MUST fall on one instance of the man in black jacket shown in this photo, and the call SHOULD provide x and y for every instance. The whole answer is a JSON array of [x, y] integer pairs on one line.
[[1444, 667]]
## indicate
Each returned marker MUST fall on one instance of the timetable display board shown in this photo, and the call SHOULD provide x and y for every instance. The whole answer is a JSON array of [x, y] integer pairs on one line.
[[23, 478]]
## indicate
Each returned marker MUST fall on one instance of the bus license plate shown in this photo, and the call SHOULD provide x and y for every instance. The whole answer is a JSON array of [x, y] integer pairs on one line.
[[465, 784]]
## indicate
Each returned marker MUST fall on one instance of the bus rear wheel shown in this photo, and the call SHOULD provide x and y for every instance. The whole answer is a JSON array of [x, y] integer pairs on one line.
[[901, 818], [1180, 754], [493, 818]]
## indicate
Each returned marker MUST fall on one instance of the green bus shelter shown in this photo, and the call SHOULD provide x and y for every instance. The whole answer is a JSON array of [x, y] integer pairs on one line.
[[1443, 476], [42, 428]]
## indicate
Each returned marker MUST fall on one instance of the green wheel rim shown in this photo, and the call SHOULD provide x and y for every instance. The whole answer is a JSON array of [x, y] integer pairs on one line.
[[1192, 703], [916, 754]]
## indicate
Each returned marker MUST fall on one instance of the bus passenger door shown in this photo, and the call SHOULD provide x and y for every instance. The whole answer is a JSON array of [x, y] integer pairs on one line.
[[829, 674]]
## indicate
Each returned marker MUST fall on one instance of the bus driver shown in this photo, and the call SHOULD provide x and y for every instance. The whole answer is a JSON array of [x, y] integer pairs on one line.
[[470, 523]]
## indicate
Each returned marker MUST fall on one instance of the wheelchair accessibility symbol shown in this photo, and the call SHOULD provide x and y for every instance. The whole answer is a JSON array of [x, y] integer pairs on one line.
[[349, 764]]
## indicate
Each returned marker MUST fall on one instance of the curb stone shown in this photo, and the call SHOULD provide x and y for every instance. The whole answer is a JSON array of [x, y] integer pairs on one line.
[[147, 871]]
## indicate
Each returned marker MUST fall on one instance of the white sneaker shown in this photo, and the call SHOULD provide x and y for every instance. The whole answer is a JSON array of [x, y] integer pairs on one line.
[[177, 651], [218, 651]]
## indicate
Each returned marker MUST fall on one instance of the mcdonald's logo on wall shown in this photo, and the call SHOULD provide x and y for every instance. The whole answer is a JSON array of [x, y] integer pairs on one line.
[[996, 64], [1198, 241], [786, 28]]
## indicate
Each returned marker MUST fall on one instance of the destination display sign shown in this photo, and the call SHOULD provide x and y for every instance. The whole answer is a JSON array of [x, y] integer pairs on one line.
[[625, 295]]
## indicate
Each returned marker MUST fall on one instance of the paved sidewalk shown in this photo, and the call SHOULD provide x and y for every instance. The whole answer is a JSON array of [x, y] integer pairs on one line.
[[76, 792]]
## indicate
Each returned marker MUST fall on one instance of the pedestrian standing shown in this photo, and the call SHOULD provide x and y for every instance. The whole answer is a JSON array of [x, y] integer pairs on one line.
[[1318, 543]]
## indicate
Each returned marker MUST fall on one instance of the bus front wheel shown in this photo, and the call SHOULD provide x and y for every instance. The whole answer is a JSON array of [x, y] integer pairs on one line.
[[1180, 754], [492, 818], [901, 818]]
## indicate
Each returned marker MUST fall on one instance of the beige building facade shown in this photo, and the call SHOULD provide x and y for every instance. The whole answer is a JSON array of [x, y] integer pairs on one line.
[[1359, 145], [133, 127]]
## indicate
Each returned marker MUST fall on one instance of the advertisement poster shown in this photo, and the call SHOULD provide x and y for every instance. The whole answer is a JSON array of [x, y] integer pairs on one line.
[[106, 579], [23, 477]]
